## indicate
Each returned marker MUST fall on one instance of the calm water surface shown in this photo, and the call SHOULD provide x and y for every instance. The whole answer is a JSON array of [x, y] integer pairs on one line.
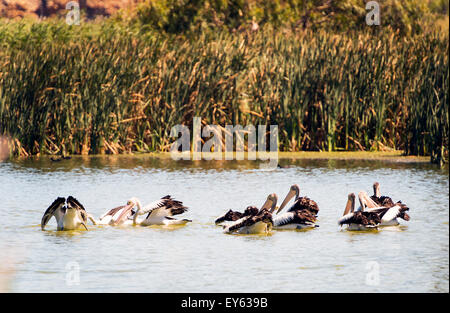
[[413, 257]]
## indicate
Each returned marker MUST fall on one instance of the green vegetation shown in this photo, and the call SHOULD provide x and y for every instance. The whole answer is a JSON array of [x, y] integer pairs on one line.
[[119, 85], [175, 16]]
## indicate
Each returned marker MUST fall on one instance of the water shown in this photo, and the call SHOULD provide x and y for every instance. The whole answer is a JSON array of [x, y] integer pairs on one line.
[[413, 257]]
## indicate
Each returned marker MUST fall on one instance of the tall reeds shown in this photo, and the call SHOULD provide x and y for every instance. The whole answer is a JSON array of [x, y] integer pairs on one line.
[[62, 91]]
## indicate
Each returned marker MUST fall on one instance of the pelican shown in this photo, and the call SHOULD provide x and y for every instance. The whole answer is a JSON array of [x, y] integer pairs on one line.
[[121, 215], [259, 222], [159, 212], [232, 216], [389, 214], [358, 220], [301, 215], [300, 219], [380, 200], [69, 216]]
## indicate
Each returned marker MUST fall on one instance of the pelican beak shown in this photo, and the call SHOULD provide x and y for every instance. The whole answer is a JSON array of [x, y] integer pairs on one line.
[[125, 211], [267, 204], [288, 198], [362, 200], [350, 207]]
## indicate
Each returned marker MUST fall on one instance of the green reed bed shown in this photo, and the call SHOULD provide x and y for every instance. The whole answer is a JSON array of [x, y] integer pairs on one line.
[[102, 88]]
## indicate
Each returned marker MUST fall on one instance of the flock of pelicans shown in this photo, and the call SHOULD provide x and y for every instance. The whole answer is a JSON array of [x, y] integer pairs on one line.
[[374, 211]]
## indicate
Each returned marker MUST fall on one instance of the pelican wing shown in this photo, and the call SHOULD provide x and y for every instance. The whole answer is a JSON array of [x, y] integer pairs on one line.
[[55, 209], [74, 203], [346, 219], [397, 210], [163, 207], [361, 217], [231, 227], [381, 211], [230, 215], [284, 219], [304, 203], [112, 211], [383, 201], [297, 217]]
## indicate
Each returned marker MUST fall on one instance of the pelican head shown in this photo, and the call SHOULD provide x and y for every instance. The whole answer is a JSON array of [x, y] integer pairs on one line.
[[362, 196], [376, 189], [270, 203], [293, 191], [350, 207], [131, 203]]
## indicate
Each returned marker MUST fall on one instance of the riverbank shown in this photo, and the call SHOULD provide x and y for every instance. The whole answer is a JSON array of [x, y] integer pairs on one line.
[[118, 85], [387, 156]]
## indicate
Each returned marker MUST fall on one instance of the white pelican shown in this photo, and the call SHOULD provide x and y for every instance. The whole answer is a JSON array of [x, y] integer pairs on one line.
[[159, 212], [301, 215], [118, 216], [259, 222], [68, 217], [358, 220], [389, 214]]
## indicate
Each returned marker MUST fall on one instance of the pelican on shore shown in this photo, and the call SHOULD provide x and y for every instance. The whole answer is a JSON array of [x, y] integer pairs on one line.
[[360, 219], [159, 212], [69, 215], [259, 222], [301, 215], [389, 214]]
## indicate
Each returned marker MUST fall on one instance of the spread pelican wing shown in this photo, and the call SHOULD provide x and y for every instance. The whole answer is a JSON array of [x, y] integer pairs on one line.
[[69, 214], [112, 212], [166, 206], [55, 209], [158, 212], [115, 216]]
